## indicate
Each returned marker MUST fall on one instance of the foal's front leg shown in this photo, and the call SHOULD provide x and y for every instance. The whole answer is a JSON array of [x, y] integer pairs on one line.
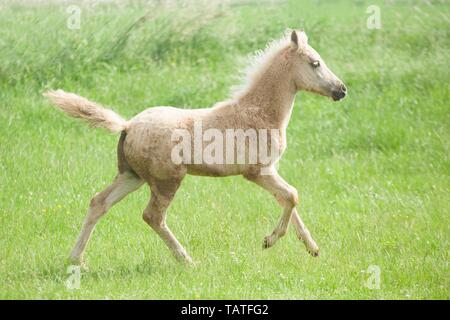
[[304, 235], [287, 196]]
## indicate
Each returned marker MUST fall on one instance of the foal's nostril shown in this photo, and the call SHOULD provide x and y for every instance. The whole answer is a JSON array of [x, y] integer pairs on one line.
[[339, 94]]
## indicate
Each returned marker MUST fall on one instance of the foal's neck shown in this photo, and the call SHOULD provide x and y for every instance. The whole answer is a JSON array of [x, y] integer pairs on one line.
[[273, 93]]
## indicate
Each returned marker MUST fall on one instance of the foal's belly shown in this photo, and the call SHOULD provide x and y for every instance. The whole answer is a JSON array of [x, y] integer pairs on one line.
[[214, 170]]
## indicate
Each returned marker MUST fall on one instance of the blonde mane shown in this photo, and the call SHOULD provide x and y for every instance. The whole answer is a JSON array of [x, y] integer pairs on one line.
[[258, 64]]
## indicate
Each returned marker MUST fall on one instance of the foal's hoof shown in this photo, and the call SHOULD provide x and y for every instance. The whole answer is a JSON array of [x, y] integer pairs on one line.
[[190, 263], [312, 249], [313, 253], [267, 242], [186, 260]]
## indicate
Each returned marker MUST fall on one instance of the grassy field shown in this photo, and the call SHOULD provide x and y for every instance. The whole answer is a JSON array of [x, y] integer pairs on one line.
[[372, 171]]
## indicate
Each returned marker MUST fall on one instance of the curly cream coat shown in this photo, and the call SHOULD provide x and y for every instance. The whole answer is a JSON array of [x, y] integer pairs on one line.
[[265, 101]]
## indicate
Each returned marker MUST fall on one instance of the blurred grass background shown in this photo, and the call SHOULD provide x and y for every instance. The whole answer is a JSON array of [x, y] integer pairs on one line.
[[372, 171]]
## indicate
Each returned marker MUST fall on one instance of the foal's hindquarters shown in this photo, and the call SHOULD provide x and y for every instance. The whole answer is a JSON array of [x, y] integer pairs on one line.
[[144, 156]]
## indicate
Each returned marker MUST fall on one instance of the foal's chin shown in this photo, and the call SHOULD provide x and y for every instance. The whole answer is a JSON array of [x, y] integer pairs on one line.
[[333, 95]]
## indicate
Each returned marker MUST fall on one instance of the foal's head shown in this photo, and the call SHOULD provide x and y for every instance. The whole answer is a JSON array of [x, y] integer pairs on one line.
[[310, 72]]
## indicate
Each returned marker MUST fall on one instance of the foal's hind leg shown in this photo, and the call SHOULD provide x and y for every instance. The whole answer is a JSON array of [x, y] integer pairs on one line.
[[123, 184], [163, 193]]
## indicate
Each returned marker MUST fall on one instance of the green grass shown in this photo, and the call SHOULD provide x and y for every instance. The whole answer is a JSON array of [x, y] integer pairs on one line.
[[372, 171]]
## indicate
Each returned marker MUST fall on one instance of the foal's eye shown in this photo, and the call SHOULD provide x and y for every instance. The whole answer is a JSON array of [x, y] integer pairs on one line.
[[315, 64]]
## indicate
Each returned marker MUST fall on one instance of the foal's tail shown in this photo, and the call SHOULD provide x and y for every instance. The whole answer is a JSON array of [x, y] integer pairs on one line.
[[79, 107]]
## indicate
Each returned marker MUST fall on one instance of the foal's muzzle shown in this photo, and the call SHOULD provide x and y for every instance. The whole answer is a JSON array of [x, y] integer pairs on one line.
[[340, 93]]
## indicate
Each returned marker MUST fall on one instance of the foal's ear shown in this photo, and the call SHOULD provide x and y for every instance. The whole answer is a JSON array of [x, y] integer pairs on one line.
[[299, 40], [294, 40]]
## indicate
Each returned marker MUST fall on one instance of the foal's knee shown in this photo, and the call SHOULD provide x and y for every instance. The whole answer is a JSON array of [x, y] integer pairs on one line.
[[153, 219], [97, 207], [290, 197], [96, 201], [294, 197]]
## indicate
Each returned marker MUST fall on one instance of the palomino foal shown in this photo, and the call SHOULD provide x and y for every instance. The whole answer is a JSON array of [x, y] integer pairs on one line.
[[145, 146]]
